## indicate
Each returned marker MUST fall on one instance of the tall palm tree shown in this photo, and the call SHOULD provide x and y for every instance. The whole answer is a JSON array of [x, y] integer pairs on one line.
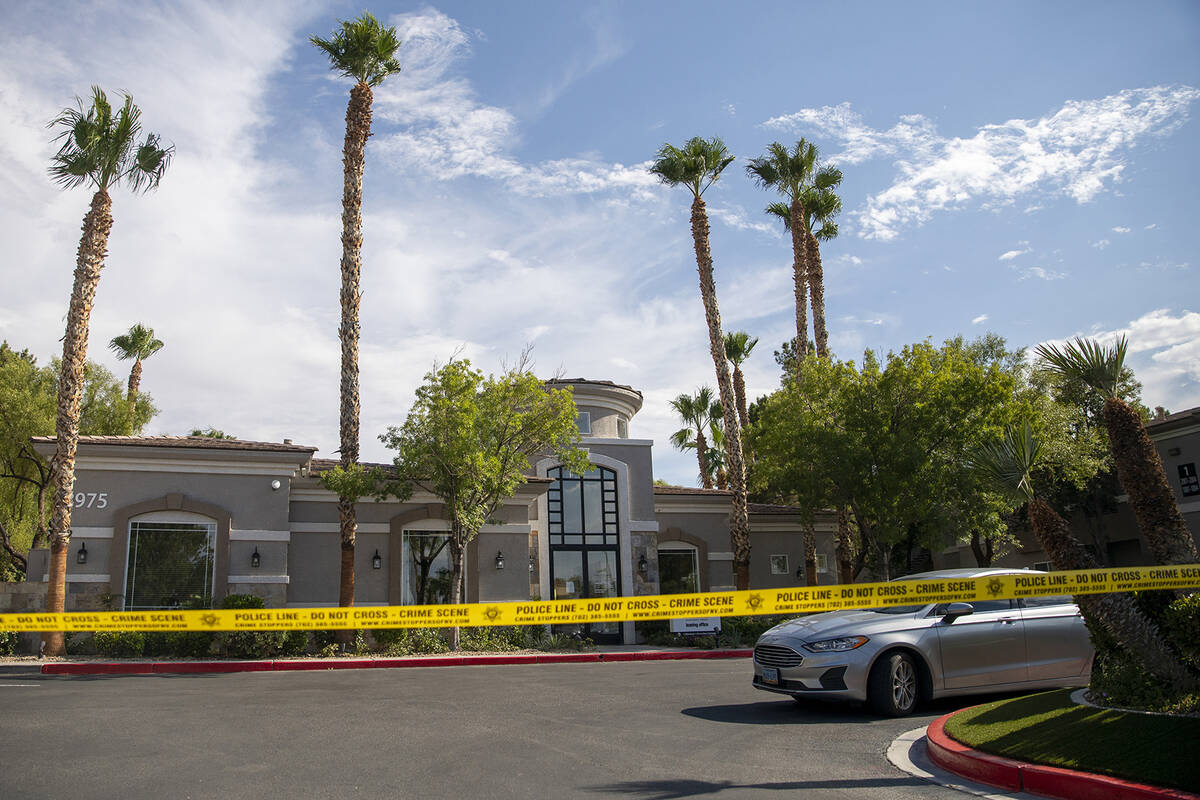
[[1139, 467], [365, 51], [1007, 465], [694, 411], [99, 148], [738, 346], [139, 344], [789, 173], [820, 205], [696, 166], [718, 455]]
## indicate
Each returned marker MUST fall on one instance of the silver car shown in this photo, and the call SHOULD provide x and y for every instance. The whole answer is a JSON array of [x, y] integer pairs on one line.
[[892, 658]]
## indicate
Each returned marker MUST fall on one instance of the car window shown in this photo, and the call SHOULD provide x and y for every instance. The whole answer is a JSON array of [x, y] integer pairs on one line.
[[1043, 602], [980, 606]]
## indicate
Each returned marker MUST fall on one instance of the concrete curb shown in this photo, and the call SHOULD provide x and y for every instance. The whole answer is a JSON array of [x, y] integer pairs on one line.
[[1065, 784], [310, 664]]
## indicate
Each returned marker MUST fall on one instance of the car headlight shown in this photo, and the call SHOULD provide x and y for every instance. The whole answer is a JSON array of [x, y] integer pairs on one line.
[[836, 645]]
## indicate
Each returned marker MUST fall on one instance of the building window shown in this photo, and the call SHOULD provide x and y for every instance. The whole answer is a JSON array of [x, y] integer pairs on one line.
[[1189, 484], [583, 508], [170, 565], [822, 562], [1043, 566], [622, 428], [779, 564], [678, 569], [583, 420], [428, 570]]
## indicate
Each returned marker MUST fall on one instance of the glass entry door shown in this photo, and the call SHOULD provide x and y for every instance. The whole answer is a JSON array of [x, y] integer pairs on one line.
[[583, 544]]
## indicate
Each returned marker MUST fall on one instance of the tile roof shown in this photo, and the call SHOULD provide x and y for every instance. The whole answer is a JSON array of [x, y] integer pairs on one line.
[[585, 381], [196, 442], [754, 508], [319, 465]]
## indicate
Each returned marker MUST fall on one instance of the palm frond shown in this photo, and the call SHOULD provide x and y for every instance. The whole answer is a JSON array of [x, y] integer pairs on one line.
[[782, 212], [362, 49], [1088, 361], [1007, 464], [738, 345]]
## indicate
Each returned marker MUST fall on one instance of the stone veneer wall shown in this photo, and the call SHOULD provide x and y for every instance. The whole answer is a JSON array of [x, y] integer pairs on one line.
[[644, 544]]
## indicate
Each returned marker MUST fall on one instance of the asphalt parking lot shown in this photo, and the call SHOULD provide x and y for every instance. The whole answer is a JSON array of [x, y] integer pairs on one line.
[[652, 730]]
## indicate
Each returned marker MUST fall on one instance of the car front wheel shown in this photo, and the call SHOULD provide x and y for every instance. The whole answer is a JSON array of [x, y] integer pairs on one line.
[[892, 685]]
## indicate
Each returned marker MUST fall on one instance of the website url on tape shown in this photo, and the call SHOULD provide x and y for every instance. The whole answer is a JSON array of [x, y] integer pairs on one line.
[[623, 609]]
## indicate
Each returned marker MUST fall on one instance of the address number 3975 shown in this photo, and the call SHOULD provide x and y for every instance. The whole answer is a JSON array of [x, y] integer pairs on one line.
[[91, 499]]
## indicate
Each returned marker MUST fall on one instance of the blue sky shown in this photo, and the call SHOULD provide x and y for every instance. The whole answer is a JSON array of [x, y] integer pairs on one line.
[[1033, 172]]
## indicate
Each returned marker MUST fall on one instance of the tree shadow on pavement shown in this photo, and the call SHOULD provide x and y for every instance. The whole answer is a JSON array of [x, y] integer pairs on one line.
[[775, 712]]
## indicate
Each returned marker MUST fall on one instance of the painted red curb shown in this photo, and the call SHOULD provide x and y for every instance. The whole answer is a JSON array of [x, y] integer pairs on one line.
[[1056, 782], [319, 664]]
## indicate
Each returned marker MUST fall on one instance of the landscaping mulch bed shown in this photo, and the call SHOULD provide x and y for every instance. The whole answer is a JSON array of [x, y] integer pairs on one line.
[[1049, 728]]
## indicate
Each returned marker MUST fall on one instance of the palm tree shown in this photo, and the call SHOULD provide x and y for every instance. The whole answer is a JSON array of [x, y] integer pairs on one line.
[[789, 173], [1007, 466], [694, 411], [820, 205], [718, 455], [139, 344], [738, 346], [364, 50], [696, 166], [100, 148], [1139, 467]]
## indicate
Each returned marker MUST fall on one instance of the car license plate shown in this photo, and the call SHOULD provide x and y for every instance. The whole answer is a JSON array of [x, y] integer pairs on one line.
[[770, 675]]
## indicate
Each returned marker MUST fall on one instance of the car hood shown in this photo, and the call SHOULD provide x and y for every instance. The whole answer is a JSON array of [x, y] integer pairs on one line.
[[833, 624]]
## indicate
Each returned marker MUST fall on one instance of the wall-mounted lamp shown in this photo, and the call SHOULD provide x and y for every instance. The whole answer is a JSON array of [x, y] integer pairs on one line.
[[275, 485], [81, 556], [800, 571], [643, 565], [531, 563], [499, 560], [376, 561], [255, 559]]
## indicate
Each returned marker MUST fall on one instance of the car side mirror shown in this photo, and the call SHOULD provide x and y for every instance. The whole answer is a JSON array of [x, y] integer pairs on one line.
[[957, 610]]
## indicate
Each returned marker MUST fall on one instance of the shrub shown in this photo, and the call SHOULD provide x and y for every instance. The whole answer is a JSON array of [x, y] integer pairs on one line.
[[248, 644], [120, 644], [1181, 621], [418, 641], [295, 643], [569, 642], [8, 642], [491, 639]]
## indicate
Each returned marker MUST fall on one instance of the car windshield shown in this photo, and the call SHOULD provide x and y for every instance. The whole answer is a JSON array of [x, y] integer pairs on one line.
[[897, 609]]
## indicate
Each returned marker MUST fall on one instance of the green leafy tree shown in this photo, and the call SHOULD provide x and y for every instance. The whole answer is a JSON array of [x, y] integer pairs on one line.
[[887, 440], [365, 51], [469, 439], [694, 412], [1008, 464], [28, 402], [211, 433], [139, 344], [696, 166], [1139, 467], [100, 149]]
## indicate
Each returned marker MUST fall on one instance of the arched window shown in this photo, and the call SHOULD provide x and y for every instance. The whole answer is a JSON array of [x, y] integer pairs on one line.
[[171, 561]]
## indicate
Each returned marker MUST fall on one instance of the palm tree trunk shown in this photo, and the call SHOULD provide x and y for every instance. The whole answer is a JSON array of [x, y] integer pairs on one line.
[[739, 518], [800, 279], [1141, 473], [739, 389], [358, 128], [1116, 613], [135, 382], [702, 458], [816, 288], [89, 260], [810, 554], [844, 548]]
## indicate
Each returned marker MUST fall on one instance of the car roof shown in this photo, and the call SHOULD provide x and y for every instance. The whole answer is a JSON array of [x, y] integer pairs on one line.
[[971, 572]]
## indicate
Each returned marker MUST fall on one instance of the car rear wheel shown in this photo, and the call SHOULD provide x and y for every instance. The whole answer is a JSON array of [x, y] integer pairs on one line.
[[893, 684]]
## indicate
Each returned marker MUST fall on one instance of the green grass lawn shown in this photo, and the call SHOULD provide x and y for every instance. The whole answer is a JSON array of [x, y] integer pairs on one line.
[[1048, 728]]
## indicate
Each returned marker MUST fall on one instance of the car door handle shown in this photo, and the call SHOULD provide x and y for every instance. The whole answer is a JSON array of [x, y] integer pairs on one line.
[[1008, 621]]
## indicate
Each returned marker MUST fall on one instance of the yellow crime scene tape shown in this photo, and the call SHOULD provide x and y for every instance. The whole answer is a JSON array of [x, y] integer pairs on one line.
[[799, 600]]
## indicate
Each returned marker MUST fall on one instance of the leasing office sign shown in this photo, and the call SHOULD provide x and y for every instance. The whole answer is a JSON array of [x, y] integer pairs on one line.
[[622, 609]]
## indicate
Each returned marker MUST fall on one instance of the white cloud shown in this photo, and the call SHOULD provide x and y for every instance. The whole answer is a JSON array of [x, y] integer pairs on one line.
[[736, 218], [1041, 273], [1078, 151], [1151, 226], [1101, 244], [980, 319], [849, 259], [432, 120], [1120, 229], [1011, 254]]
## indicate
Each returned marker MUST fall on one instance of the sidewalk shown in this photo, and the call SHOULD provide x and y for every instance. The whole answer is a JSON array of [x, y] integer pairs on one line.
[[1019, 776], [614, 653]]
